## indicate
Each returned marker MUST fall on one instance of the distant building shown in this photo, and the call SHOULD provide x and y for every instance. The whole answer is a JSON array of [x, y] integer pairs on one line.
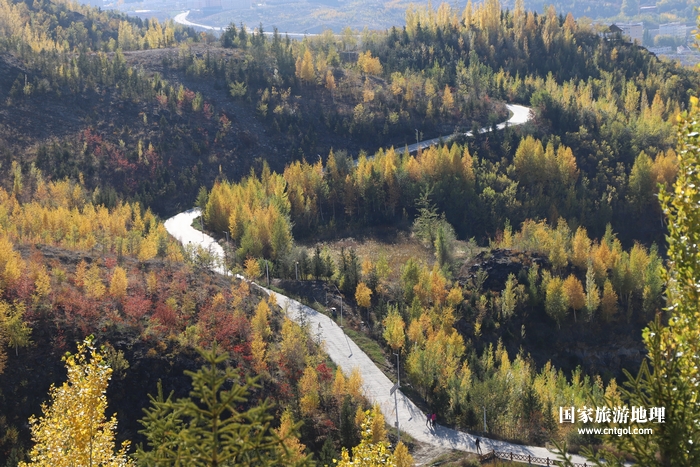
[[634, 31], [649, 10], [660, 50], [610, 32], [677, 30]]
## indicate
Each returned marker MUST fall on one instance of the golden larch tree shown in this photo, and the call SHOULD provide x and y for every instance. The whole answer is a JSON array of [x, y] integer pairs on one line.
[[339, 385], [74, 430], [574, 293], [402, 457], [119, 283], [394, 330], [94, 287], [330, 81], [252, 268], [363, 295], [285, 432], [354, 383], [368, 64], [448, 100], [608, 303], [581, 248], [309, 388], [306, 71]]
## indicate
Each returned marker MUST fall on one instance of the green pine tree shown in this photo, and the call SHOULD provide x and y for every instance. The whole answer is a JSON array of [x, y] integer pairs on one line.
[[207, 429]]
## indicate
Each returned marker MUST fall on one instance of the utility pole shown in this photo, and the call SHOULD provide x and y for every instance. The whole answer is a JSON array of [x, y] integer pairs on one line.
[[396, 409], [341, 304], [396, 404], [296, 269], [398, 370]]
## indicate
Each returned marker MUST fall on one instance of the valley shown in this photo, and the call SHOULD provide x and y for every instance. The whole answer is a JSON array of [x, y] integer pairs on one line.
[[489, 204]]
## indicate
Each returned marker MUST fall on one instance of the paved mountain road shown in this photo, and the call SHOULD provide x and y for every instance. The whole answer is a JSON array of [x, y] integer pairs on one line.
[[520, 115], [347, 355]]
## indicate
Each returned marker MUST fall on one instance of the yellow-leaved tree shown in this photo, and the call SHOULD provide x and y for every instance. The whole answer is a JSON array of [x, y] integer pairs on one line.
[[74, 430], [119, 283], [394, 327], [374, 449], [363, 295]]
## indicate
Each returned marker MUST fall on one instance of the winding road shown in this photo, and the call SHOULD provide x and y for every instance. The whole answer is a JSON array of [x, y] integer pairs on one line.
[[181, 18], [347, 355], [520, 115]]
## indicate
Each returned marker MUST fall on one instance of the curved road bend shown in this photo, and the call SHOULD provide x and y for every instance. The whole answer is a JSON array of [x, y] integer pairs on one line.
[[521, 114], [181, 18], [347, 355]]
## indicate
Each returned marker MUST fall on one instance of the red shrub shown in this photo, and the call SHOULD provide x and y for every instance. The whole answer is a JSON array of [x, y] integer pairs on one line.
[[136, 306], [324, 372], [166, 315]]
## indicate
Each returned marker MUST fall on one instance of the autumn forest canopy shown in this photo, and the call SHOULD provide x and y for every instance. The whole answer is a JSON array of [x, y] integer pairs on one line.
[[513, 272]]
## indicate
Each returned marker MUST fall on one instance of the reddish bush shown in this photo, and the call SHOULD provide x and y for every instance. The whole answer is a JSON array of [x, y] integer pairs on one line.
[[136, 306], [324, 372], [166, 316]]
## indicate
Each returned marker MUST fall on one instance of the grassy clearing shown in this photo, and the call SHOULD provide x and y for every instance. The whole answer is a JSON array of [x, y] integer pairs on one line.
[[406, 439], [370, 347], [397, 249]]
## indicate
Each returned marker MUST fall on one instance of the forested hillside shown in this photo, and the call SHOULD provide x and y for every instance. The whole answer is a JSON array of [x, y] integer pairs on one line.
[[155, 125], [509, 264], [71, 268]]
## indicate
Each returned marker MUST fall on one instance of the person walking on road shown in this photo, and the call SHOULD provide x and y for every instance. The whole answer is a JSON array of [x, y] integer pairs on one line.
[[433, 417], [477, 441], [428, 419]]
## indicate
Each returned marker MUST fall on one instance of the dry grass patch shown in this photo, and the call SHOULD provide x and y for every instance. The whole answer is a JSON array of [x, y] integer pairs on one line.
[[398, 250]]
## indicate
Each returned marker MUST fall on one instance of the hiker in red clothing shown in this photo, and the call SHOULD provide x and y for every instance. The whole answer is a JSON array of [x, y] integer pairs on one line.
[[432, 420]]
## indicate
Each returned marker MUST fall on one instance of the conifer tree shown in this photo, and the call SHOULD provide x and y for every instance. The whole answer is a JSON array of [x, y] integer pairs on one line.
[[508, 298], [119, 283], [209, 429], [309, 391], [555, 300], [608, 302], [668, 377], [592, 292], [13, 327]]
